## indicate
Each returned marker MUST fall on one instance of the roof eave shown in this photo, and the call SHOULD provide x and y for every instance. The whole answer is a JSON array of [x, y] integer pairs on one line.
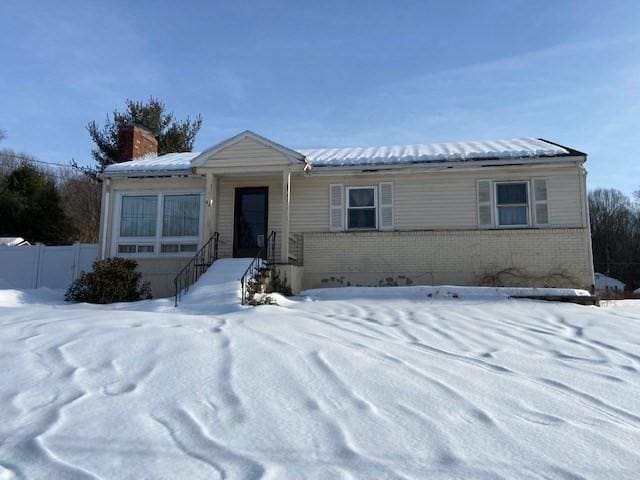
[[572, 151], [146, 173]]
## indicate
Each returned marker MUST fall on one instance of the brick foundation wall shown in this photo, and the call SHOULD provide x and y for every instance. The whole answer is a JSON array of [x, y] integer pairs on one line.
[[542, 257], [160, 272]]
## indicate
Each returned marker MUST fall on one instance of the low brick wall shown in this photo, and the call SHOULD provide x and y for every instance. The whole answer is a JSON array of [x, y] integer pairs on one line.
[[541, 257]]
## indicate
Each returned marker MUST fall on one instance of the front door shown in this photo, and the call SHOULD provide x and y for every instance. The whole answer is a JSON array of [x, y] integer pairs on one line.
[[250, 221]]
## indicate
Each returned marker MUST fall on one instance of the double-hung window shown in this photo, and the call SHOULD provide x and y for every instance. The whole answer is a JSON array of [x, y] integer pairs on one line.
[[165, 224], [512, 204], [361, 208]]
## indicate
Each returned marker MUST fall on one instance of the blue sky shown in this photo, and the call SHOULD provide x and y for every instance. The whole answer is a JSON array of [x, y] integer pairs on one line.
[[319, 74]]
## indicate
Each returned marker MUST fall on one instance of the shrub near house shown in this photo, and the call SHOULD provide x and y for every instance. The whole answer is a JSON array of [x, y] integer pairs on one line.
[[112, 280]]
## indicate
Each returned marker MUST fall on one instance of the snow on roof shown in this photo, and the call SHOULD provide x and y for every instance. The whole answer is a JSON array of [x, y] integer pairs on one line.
[[385, 155], [603, 282], [434, 152], [13, 241], [153, 163]]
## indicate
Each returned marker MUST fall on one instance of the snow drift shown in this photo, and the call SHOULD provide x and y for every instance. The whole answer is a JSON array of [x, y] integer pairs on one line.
[[335, 384]]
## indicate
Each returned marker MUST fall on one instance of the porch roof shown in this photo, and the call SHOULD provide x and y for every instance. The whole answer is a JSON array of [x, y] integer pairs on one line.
[[151, 163]]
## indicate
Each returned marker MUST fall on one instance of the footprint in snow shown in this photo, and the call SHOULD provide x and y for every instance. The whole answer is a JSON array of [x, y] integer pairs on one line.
[[118, 388]]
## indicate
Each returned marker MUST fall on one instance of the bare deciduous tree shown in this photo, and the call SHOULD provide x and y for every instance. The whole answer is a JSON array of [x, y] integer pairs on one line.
[[81, 199], [615, 235]]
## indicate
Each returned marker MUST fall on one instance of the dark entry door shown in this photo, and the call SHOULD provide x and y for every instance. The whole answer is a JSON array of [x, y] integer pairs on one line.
[[250, 221]]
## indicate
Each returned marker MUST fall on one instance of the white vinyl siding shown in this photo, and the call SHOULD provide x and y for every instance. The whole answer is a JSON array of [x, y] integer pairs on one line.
[[443, 200], [247, 153], [430, 200]]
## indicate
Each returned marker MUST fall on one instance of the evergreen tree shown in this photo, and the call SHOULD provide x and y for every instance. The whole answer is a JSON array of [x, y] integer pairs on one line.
[[31, 207], [172, 135]]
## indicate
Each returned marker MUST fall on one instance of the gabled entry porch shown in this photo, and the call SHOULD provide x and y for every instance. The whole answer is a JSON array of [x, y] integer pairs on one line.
[[244, 210], [247, 204], [248, 195]]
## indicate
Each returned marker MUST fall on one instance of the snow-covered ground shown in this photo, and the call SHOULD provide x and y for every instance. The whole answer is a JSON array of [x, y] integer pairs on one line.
[[349, 383]]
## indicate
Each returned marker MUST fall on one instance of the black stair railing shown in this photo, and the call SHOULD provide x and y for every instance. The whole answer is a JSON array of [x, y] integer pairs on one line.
[[263, 261], [195, 267]]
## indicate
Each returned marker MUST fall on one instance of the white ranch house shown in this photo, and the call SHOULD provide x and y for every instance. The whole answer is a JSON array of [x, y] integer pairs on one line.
[[511, 212]]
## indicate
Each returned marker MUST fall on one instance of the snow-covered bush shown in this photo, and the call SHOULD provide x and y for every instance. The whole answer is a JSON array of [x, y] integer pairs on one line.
[[276, 284], [112, 280]]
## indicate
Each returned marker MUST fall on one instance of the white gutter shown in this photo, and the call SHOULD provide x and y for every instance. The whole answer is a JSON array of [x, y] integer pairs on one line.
[[450, 165], [146, 173], [340, 169]]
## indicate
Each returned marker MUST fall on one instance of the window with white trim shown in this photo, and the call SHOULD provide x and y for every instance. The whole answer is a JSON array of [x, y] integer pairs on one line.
[[138, 216], [181, 215], [362, 208], [512, 204], [159, 224]]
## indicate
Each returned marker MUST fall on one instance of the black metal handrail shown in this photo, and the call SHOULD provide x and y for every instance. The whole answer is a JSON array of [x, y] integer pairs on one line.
[[264, 259], [195, 267]]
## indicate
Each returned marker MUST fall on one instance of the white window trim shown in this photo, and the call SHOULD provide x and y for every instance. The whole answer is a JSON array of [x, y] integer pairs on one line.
[[495, 204], [158, 239], [347, 207]]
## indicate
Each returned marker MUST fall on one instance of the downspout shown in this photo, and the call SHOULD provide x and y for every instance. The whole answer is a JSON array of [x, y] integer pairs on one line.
[[105, 218], [582, 172]]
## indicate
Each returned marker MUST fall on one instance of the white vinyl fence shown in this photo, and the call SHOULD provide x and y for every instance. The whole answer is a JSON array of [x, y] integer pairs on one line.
[[42, 266]]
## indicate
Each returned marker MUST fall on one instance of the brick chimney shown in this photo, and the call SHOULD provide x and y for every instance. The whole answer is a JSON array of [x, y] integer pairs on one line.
[[135, 141]]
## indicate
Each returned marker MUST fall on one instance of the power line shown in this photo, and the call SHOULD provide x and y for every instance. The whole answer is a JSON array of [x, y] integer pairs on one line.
[[24, 158], [11, 160], [8, 167]]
